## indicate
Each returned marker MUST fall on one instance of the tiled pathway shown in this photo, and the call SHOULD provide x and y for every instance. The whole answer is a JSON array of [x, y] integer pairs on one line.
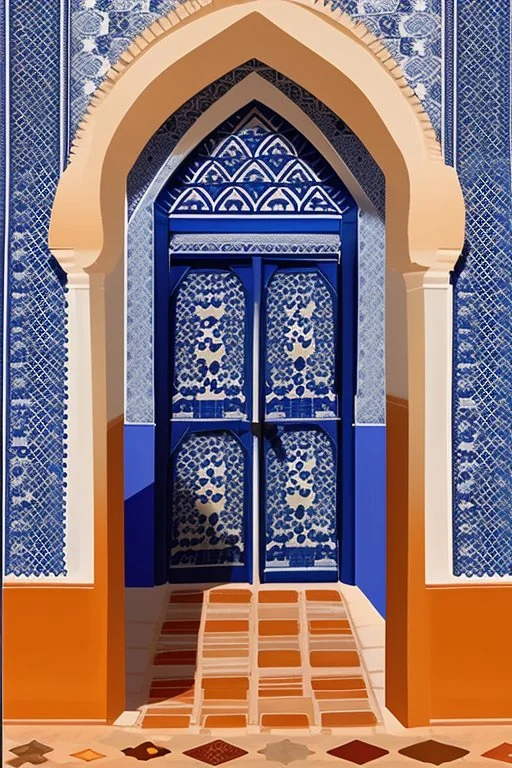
[[258, 660]]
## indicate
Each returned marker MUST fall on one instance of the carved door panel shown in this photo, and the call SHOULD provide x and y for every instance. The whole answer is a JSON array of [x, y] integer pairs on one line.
[[300, 479]]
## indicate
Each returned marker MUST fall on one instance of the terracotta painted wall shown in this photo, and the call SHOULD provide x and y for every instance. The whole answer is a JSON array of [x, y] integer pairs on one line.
[[469, 674], [471, 651], [63, 647]]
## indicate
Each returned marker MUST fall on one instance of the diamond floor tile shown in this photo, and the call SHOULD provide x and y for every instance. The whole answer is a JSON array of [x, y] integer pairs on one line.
[[434, 752], [359, 752], [502, 752], [216, 752]]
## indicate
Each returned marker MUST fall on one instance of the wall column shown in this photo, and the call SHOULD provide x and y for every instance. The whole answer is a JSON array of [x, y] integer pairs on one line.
[[407, 646], [438, 425]]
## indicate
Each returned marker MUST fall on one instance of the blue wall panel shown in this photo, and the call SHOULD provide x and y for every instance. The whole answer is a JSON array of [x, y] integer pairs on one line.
[[139, 504], [370, 502]]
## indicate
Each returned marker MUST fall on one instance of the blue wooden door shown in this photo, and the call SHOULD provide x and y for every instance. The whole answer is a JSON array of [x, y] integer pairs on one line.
[[254, 391]]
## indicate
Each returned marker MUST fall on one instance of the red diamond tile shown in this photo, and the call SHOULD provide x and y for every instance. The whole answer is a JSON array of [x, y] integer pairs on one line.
[[502, 752], [434, 752], [215, 752], [359, 752]]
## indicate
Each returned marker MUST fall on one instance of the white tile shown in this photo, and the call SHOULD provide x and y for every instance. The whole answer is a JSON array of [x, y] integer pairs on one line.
[[377, 679], [128, 719], [372, 636], [374, 659]]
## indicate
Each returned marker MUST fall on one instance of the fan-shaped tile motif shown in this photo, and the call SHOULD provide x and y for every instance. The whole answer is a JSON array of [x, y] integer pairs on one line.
[[257, 163]]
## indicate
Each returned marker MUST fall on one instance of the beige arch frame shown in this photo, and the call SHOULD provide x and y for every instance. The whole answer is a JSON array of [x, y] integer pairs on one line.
[[348, 69]]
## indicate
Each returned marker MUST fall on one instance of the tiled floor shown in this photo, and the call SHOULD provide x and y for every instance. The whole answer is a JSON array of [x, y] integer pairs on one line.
[[69, 746], [259, 659]]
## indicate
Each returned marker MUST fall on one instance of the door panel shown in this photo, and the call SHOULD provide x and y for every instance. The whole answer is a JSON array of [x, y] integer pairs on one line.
[[210, 344], [300, 342], [300, 492], [211, 479], [300, 453]]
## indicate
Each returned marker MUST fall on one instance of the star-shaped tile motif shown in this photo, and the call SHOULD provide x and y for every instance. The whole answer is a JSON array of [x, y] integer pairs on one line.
[[87, 755], [359, 752], [434, 752], [33, 752], [285, 751], [146, 751], [502, 752], [215, 752]]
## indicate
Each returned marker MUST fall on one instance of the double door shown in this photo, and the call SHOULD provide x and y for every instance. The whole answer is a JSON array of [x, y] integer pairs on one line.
[[254, 480]]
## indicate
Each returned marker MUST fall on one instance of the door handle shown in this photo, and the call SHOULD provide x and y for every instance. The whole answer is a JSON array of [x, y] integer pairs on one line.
[[261, 429]]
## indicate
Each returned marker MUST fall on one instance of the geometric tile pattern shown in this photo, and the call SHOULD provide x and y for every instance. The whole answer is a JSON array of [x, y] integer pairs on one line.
[[35, 331], [370, 407], [255, 163], [209, 345], [216, 752], [410, 29], [265, 658], [482, 528]]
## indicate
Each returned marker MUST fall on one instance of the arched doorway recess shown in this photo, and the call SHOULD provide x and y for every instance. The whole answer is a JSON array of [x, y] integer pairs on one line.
[[346, 67]]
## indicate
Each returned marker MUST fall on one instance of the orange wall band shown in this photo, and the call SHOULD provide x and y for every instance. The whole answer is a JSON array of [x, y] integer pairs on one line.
[[63, 646]]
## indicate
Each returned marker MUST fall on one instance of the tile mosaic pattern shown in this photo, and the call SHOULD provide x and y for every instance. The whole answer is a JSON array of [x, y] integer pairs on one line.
[[87, 755], [285, 752], [261, 658], [102, 29], [207, 500], [216, 752], [482, 525], [35, 330], [209, 346], [256, 163], [300, 500]]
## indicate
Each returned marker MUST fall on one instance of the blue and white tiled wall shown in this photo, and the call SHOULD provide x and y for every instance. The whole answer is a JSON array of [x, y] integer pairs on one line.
[[458, 63]]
